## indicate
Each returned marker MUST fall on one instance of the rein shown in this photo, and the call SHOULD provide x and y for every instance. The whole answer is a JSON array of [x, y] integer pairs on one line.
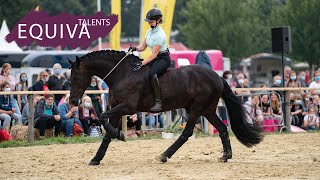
[[116, 65]]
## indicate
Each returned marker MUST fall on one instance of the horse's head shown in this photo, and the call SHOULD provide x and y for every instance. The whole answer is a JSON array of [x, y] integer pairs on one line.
[[80, 78]]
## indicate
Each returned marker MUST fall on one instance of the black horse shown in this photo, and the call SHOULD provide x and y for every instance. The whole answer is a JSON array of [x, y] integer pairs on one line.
[[195, 88]]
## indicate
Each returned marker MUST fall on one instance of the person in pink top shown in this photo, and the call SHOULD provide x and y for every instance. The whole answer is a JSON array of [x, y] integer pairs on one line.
[[5, 75]]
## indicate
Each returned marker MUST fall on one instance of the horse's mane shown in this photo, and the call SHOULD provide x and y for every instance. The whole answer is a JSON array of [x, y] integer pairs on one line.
[[117, 55]]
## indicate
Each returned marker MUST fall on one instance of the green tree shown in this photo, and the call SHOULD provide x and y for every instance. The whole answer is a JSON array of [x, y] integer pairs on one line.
[[216, 24], [304, 19], [13, 11]]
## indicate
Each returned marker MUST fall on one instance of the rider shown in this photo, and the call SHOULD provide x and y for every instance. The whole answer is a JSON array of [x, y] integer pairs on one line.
[[159, 60]]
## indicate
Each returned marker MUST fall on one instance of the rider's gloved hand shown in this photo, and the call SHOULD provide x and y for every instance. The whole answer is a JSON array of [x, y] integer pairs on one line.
[[137, 66], [132, 48]]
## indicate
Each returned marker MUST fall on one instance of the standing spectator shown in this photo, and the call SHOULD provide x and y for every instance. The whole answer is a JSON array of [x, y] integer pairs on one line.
[[95, 98], [25, 110], [69, 116], [87, 114], [287, 71], [151, 120], [315, 84], [5, 75], [22, 86], [67, 82], [227, 75], [293, 82], [41, 84], [311, 120], [47, 116], [55, 81], [240, 84], [302, 78], [105, 96], [8, 112], [277, 83]]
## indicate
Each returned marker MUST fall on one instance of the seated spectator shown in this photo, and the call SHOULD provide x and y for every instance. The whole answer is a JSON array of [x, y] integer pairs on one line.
[[87, 115], [134, 121], [296, 111], [276, 110], [265, 106], [253, 111], [41, 84], [47, 116], [25, 110], [311, 120], [95, 98], [8, 112], [69, 116], [305, 103], [151, 120], [315, 84]]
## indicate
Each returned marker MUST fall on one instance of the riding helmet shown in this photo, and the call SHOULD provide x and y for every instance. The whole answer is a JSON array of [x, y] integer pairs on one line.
[[153, 14]]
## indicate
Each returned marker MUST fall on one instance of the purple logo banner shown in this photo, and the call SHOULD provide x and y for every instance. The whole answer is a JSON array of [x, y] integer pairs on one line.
[[63, 29]]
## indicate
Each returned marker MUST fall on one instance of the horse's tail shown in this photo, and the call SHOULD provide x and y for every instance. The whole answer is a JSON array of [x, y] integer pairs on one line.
[[246, 133]]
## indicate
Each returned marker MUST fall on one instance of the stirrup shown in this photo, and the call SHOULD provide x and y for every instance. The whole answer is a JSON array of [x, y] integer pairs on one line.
[[157, 106]]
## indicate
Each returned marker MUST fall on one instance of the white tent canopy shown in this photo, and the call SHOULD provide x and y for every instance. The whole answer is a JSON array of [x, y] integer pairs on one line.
[[4, 45]]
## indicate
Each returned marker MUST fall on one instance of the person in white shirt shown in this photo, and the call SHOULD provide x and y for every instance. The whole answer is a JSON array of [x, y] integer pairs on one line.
[[311, 120]]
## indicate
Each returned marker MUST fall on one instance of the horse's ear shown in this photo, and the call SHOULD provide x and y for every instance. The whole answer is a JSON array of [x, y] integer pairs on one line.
[[77, 60], [70, 62]]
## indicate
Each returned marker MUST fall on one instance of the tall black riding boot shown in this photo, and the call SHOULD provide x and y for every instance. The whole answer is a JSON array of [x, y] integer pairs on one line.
[[156, 91]]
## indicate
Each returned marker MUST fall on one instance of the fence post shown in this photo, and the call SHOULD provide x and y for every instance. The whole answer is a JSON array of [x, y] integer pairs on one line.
[[31, 119], [288, 110], [124, 125]]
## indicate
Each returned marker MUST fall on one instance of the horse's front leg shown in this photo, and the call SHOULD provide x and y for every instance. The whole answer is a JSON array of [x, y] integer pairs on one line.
[[111, 133], [114, 114]]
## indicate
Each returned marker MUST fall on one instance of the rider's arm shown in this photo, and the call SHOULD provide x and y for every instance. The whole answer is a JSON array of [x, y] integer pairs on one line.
[[142, 46], [156, 50]]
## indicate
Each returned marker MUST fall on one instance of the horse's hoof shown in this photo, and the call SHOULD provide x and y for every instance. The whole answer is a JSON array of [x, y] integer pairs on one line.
[[122, 137], [226, 155], [162, 158], [94, 163]]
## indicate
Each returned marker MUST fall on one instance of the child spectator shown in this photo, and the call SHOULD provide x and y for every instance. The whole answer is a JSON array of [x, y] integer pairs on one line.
[[47, 116], [22, 86], [305, 103], [87, 114], [265, 106], [276, 107], [9, 112], [69, 116], [296, 111], [311, 120]]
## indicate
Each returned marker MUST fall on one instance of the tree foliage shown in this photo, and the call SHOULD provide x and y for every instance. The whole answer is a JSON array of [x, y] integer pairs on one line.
[[304, 19]]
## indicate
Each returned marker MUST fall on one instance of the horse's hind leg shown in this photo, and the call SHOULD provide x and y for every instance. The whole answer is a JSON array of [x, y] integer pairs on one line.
[[223, 133], [187, 132]]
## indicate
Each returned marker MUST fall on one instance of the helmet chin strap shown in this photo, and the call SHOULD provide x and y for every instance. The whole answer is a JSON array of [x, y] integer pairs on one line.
[[155, 25]]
